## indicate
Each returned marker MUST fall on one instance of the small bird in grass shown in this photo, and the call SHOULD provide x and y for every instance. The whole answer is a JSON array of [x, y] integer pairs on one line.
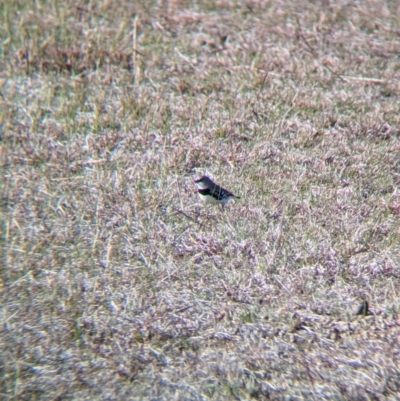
[[211, 193]]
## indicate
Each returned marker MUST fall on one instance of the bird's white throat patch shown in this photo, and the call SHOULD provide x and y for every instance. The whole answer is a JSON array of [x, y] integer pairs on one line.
[[201, 185]]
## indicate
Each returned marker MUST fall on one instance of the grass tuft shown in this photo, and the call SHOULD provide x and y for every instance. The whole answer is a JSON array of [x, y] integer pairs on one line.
[[117, 283]]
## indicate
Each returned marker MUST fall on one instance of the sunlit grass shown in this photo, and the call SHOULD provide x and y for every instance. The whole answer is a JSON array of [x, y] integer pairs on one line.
[[117, 282]]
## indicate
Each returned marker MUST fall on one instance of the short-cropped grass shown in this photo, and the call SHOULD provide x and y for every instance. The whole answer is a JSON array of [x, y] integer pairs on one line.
[[117, 283]]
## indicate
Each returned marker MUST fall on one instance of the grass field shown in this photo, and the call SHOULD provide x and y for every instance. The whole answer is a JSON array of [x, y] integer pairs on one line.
[[117, 283]]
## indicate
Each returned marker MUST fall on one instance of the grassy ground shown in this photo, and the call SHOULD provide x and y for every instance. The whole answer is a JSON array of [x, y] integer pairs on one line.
[[116, 283]]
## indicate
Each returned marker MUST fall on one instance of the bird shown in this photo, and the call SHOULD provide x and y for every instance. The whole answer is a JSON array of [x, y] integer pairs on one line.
[[211, 193]]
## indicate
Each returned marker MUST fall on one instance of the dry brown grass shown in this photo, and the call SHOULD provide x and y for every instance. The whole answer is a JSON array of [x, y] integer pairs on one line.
[[117, 283]]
